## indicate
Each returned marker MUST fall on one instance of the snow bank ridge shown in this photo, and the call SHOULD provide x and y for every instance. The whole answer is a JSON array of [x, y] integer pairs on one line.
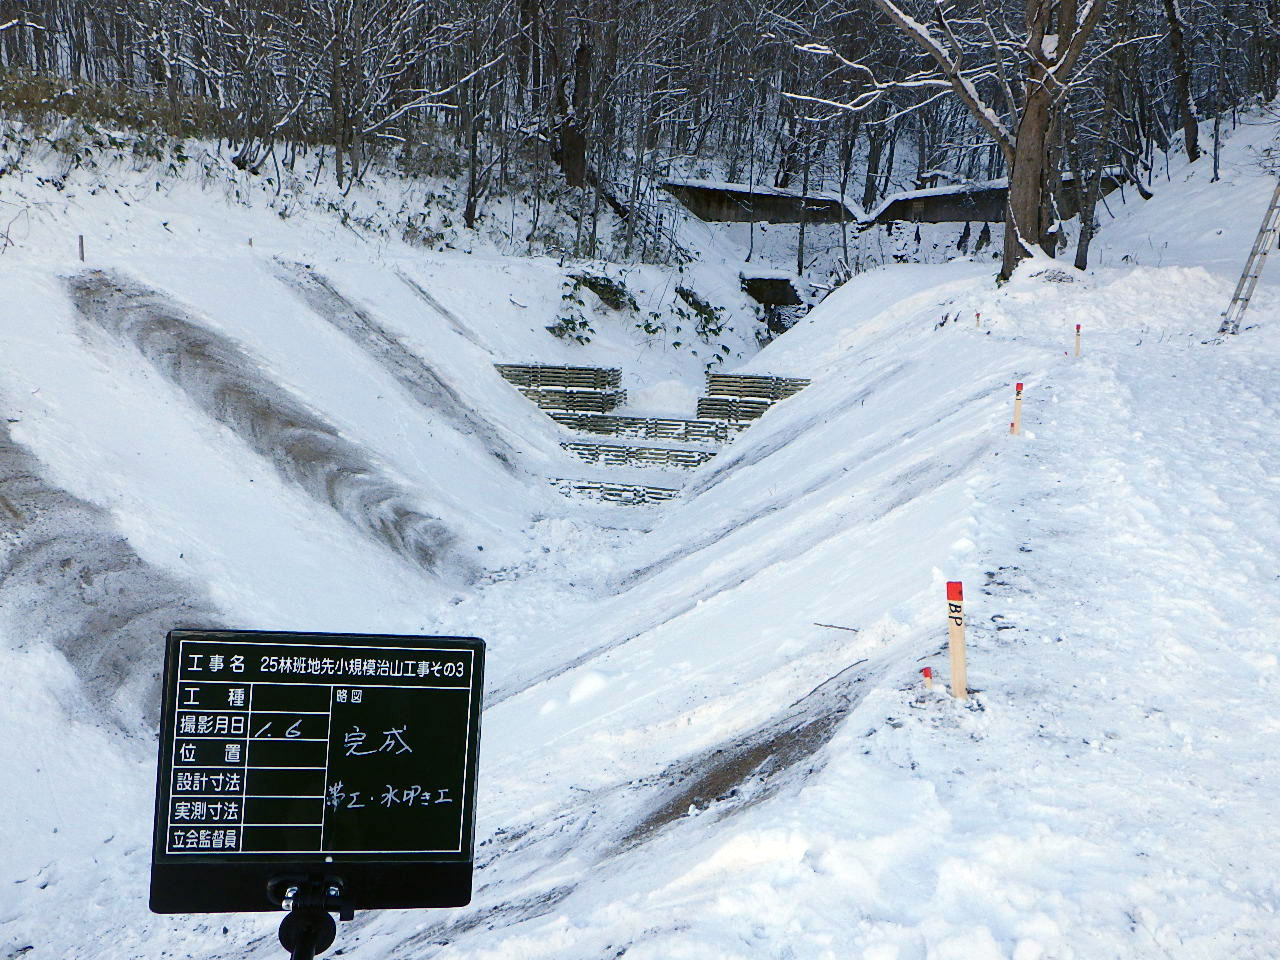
[[229, 385], [69, 578]]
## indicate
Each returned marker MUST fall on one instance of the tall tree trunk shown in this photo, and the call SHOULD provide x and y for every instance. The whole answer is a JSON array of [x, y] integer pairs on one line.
[[573, 130], [1022, 225], [875, 146], [1091, 192], [336, 100], [804, 207], [1051, 185], [471, 132], [788, 147], [1182, 79]]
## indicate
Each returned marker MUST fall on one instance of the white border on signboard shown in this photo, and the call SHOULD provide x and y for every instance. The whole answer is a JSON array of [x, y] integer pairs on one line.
[[173, 769]]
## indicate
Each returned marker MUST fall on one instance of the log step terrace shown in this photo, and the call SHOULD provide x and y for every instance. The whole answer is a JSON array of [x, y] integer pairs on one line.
[[617, 455], [547, 375], [755, 387], [631, 494], [736, 411], [649, 428], [592, 401]]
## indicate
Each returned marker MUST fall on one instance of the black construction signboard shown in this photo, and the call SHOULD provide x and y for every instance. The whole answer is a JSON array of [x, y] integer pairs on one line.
[[335, 759]]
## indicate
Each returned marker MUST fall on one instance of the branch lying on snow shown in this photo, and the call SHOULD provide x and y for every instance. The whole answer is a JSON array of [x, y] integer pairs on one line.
[[6, 238]]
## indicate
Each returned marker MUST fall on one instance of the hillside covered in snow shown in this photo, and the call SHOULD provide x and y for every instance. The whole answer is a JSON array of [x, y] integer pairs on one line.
[[705, 729]]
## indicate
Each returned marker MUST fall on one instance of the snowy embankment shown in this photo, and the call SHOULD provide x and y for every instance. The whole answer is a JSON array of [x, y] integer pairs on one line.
[[706, 734]]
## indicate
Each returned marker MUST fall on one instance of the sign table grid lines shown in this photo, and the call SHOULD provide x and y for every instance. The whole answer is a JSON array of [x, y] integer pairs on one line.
[[244, 780], [263, 723], [332, 750], [324, 793]]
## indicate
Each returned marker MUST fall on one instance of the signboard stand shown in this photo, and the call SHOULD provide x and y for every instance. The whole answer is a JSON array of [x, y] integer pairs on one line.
[[308, 929], [316, 773]]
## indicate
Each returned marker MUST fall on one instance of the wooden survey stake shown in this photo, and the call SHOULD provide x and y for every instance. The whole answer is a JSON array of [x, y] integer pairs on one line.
[[80, 245], [955, 639], [1016, 426], [1077, 339]]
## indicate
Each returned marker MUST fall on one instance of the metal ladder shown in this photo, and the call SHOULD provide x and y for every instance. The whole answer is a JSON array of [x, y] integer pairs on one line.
[[1253, 268]]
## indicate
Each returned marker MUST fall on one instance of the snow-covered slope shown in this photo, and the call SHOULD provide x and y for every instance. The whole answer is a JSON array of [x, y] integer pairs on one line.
[[705, 733]]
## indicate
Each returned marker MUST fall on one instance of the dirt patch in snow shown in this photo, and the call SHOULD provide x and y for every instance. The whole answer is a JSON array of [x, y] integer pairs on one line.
[[600, 826], [738, 775], [68, 577]]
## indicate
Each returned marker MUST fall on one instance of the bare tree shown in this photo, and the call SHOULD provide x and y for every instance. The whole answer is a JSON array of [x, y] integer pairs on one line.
[[621, 94]]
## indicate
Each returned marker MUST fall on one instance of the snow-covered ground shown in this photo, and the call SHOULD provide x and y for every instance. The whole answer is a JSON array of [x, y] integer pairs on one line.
[[706, 733]]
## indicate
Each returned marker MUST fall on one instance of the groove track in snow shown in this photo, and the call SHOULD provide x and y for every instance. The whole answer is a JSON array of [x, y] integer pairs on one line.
[[917, 480], [423, 383], [713, 537], [68, 577], [451, 318], [225, 381], [607, 824]]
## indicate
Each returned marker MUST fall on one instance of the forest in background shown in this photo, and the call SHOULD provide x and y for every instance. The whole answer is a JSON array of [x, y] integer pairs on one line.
[[612, 96]]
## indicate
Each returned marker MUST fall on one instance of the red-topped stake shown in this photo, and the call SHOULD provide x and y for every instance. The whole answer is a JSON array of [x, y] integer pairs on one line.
[[927, 673], [1077, 339], [1016, 426], [955, 639]]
